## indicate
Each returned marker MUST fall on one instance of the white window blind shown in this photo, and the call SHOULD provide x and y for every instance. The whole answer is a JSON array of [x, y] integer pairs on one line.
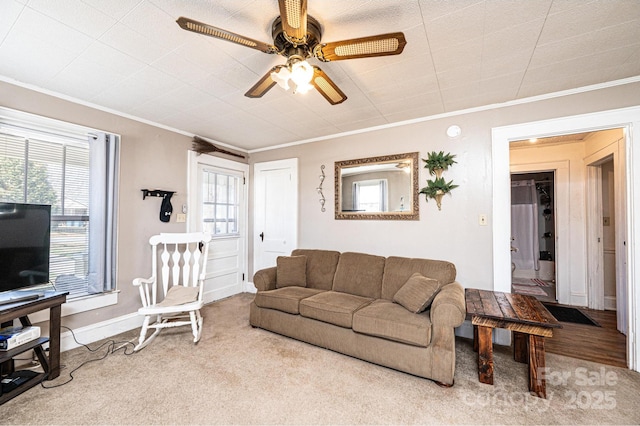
[[370, 195], [75, 174]]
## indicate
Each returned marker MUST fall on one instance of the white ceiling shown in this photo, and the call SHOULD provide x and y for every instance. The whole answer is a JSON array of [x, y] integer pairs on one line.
[[130, 56]]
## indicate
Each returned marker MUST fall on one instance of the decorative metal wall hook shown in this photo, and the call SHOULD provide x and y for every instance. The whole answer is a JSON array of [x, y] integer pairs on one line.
[[319, 189]]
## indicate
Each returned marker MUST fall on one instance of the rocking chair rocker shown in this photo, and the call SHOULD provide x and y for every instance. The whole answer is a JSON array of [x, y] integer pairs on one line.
[[173, 293]]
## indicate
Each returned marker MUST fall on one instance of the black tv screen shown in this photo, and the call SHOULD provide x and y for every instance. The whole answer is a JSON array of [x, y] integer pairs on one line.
[[25, 235]]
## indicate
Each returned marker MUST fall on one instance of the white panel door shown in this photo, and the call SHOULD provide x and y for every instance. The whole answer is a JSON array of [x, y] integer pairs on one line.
[[218, 201], [276, 211]]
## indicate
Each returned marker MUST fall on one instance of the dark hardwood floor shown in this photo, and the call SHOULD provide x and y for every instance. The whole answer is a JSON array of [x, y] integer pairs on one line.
[[603, 344]]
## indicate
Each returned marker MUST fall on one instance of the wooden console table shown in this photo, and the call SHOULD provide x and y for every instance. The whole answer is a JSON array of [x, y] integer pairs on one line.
[[51, 364], [525, 316]]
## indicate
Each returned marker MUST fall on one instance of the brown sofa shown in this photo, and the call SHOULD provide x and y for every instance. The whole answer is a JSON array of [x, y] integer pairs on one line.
[[363, 306]]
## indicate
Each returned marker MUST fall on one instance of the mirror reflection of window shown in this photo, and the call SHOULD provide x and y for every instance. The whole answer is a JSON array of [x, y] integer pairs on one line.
[[370, 195], [397, 198]]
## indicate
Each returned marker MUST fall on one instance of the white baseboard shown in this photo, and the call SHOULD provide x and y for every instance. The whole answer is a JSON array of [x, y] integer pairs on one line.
[[221, 293], [102, 330], [98, 331], [610, 303], [249, 287], [465, 330], [500, 336], [578, 299]]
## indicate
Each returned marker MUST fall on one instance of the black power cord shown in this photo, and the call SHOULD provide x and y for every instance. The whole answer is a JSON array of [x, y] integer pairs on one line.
[[111, 347]]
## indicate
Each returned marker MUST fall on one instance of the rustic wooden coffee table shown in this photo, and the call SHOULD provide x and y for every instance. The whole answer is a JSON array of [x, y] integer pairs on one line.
[[525, 316]]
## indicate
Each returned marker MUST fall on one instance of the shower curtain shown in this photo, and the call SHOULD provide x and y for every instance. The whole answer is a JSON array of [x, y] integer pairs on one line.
[[524, 224]]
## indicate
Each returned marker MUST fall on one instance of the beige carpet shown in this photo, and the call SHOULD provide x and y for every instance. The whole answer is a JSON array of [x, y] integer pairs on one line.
[[241, 375]]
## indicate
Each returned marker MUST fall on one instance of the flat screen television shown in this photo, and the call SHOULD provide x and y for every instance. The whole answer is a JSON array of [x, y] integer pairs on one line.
[[25, 235]]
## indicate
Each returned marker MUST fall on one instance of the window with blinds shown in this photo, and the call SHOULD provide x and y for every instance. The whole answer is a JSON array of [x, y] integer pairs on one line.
[[66, 171], [370, 195]]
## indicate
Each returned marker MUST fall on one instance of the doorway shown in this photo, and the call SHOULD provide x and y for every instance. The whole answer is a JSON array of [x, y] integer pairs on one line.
[[534, 206], [533, 235], [627, 119]]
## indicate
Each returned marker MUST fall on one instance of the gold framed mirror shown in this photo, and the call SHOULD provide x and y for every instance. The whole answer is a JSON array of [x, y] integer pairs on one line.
[[377, 188]]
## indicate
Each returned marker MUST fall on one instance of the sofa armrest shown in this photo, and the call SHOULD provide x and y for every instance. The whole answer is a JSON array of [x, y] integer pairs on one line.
[[265, 279], [449, 307]]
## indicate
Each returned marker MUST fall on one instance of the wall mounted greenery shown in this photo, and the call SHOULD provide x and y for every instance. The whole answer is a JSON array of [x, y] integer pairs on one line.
[[436, 163]]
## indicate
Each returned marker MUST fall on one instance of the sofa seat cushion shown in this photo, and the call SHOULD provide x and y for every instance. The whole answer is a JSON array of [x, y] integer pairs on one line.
[[286, 299], [333, 307], [389, 320]]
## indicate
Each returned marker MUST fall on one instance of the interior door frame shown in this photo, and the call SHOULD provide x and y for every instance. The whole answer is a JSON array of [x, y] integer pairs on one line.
[[616, 152], [626, 118], [595, 249]]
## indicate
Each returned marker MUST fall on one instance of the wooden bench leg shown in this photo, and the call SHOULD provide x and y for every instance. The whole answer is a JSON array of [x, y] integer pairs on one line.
[[537, 383], [475, 338], [485, 355], [520, 347]]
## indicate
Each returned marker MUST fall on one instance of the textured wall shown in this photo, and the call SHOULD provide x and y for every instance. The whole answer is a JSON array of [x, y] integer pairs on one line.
[[151, 158]]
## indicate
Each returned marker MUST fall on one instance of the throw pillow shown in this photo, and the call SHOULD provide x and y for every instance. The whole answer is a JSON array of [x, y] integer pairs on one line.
[[291, 270], [417, 293]]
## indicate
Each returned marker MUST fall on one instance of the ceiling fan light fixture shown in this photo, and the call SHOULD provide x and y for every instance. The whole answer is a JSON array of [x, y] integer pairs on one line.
[[281, 77], [298, 36], [301, 73], [302, 88]]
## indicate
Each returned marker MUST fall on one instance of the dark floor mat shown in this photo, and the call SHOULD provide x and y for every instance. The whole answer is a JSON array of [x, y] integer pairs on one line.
[[569, 314]]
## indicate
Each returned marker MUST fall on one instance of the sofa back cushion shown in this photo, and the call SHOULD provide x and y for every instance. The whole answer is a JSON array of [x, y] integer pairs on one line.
[[360, 274], [321, 267], [291, 271], [398, 270]]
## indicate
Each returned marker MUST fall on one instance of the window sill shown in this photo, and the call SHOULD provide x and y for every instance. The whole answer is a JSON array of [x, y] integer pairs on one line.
[[80, 304]]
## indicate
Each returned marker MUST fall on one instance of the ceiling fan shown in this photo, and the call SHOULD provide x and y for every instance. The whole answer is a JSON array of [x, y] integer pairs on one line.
[[297, 36]]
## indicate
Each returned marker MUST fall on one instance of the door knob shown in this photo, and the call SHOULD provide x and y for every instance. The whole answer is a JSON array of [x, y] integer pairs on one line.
[[262, 236]]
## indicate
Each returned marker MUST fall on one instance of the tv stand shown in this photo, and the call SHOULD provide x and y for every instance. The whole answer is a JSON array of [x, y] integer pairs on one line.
[[20, 299], [50, 364]]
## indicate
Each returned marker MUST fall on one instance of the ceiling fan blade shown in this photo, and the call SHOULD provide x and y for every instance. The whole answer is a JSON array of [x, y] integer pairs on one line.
[[294, 20], [327, 88], [208, 30], [364, 47], [262, 86]]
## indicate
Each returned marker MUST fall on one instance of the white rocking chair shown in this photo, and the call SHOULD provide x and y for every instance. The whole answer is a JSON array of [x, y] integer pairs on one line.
[[180, 280]]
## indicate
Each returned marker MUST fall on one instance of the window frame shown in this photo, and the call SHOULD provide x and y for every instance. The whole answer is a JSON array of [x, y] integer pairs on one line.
[[25, 125], [215, 204]]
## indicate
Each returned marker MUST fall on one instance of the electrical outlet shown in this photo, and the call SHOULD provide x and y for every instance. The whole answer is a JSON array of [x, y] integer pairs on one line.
[[181, 218], [482, 220]]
